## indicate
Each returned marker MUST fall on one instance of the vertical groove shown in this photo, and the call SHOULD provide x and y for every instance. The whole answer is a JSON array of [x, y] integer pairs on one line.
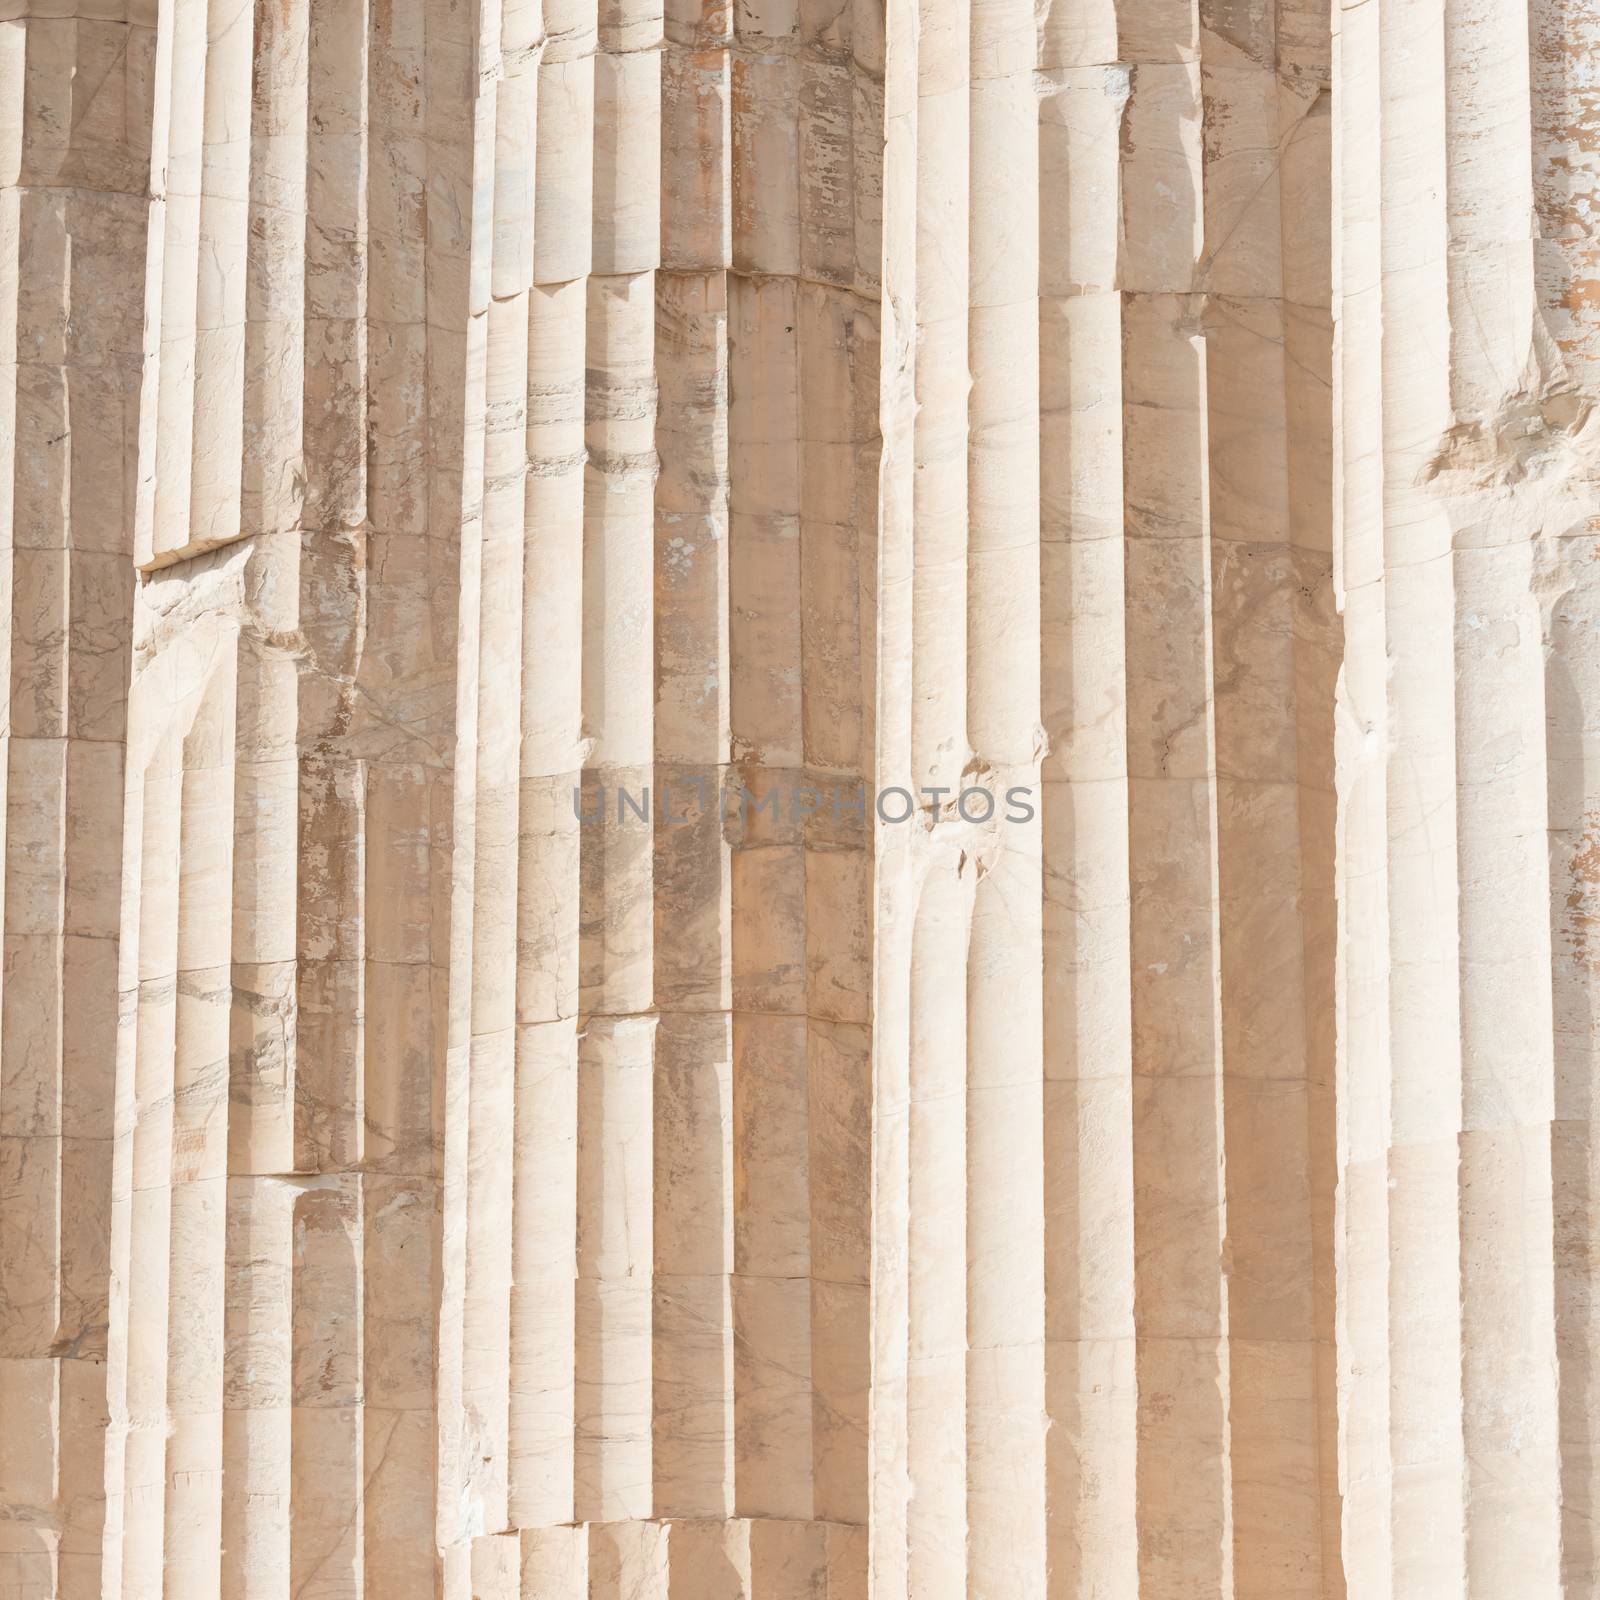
[[936, 1399], [259, 1328], [1090, 1397], [1510, 1433], [616, 1058], [193, 1512], [146, 1131], [1005, 1176], [692, 1377], [219, 295], [618, 1061], [1424, 1002], [403, 610], [335, 1013], [938, 616], [1362, 1087], [895, 1322], [543, 1328], [1304, 102], [167, 417], [615, 1064], [555, 853], [772, 1349], [459, 257], [936, 1195], [491, 1107], [494, 959], [1264, 79], [1184, 1491]]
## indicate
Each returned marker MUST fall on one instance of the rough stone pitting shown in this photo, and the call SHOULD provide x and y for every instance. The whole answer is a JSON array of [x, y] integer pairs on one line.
[[417, 415]]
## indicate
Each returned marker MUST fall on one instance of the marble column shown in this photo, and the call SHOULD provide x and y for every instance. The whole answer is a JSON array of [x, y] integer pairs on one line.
[[798, 800], [1468, 519], [1104, 1127], [75, 117], [298, 538]]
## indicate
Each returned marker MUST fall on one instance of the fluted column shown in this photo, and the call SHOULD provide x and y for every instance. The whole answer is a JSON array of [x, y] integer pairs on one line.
[[1466, 800], [75, 112], [654, 1363], [798, 801], [1103, 1292], [285, 915]]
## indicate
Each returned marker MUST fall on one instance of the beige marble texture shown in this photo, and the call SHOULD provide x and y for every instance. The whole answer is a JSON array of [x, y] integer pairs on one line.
[[800, 800]]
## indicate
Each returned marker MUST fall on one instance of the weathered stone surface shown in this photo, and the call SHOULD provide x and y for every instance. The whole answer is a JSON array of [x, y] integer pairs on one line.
[[798, 801], [1468, 455]]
